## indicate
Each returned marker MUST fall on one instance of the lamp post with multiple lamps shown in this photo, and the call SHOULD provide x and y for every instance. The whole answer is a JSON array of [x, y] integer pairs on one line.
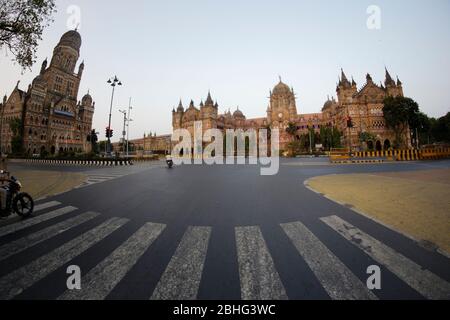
[[113, 82]]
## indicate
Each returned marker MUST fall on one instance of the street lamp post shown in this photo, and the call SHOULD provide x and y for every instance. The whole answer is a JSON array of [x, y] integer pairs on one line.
[[113, 82]]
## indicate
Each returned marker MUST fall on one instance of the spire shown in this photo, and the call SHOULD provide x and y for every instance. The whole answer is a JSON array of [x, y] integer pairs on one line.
[[369, 78], [399, 83], [180, 107], [191, 105], [343, 76], [202, 104], [389, 81], [353, 82], [343, 80], [209, 100]]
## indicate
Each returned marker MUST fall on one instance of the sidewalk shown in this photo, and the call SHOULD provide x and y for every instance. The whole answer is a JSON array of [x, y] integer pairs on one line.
[[41, 184], [415, 203]]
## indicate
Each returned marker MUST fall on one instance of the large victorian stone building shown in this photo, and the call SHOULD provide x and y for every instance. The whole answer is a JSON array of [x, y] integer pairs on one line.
[[363, 106], [365, 109], [52, 119]]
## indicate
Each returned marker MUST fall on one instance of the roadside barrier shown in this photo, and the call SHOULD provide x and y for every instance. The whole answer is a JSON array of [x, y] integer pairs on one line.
[[87, 163], [407, 155]]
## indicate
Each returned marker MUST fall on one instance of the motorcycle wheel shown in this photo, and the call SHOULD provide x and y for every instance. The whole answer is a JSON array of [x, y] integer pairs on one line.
[[23, 205]]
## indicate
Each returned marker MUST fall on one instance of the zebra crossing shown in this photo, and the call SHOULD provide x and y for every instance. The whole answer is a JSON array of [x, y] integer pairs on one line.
[[107, 174], [95, 178], [182, 276]]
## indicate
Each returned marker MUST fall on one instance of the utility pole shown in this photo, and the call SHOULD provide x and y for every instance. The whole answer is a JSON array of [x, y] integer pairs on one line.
[[128, 127], [124, 126]]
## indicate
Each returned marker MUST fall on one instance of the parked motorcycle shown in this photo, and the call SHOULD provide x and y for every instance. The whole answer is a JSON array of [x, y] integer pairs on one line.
[[16, 202]]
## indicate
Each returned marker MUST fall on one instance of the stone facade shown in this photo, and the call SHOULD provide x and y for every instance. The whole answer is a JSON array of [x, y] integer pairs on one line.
[[53, 120], [364, 106]]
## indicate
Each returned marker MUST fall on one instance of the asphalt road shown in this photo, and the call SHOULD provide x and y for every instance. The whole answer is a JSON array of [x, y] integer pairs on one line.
[[213, 232]]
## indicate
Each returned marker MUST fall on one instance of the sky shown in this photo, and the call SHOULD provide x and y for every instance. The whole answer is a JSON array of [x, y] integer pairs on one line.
[[166, 50]]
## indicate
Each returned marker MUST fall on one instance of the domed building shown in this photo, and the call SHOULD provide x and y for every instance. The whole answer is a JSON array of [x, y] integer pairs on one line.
[[53, 119], [364, 106]]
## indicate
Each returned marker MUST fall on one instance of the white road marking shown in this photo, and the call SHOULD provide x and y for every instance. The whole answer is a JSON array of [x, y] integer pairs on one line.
[[423, 281], [339, 282], [181, 279], [19, 280], [99, 282], [258, 276], [33, 239], [46, 205], [34, 220]]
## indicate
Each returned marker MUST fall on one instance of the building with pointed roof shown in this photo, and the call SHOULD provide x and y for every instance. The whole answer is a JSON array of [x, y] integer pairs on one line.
[[52, 118], [364, 106]]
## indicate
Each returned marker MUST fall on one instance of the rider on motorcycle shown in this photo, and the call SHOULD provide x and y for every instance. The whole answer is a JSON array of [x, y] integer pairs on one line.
[[4, 178]]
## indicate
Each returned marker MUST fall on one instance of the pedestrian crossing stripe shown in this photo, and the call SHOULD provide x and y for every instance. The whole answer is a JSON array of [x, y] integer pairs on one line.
[[17, 281], [181, 279], [99, 282], [337, 280], [24, 243], [11, 228], [258, 275], [423, 281]]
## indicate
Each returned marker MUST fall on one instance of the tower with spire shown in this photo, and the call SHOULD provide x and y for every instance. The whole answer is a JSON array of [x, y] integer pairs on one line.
[[209, 112], [346, 89], [54, 119]]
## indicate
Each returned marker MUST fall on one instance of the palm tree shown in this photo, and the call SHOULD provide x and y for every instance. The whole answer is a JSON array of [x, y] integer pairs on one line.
[[291, 129]]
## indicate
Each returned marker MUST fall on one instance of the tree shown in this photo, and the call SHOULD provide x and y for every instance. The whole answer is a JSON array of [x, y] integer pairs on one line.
[[441, 129], [21, 25], [330, 137], [291, 129], [401, 114], [366, 137]]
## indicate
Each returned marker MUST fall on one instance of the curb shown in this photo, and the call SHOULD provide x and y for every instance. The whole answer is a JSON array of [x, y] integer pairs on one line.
[[85, 163], [417, 241]]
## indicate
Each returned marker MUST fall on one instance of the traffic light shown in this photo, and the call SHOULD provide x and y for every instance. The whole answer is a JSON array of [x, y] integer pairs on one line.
[[109, 133], [349, 122]]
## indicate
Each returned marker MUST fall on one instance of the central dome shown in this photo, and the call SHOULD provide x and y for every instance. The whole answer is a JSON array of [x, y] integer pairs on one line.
[[71, 39], [281, 88]]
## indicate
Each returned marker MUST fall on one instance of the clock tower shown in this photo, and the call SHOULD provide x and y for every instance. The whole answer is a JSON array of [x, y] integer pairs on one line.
[[283, 108]]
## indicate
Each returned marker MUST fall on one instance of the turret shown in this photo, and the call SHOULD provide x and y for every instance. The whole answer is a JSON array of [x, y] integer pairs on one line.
[[81, 69], [44, 66]]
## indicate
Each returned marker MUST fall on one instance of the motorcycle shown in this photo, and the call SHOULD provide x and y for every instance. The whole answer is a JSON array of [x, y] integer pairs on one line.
[[16, 202], [169, 163]]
